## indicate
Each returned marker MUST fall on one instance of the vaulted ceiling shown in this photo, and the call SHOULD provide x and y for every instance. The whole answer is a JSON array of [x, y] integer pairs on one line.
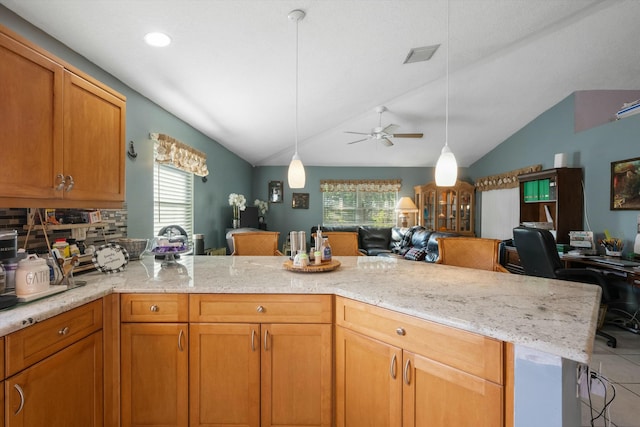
[[230, 71]]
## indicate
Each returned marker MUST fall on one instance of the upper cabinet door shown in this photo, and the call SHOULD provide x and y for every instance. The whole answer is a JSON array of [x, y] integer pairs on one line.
[[31, 122], [94, 135]]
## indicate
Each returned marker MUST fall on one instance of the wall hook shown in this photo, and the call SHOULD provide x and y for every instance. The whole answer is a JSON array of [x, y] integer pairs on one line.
[[204, 179], [132, 151]]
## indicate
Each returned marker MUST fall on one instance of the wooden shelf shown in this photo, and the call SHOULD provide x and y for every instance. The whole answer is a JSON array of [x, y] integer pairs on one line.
[[65, 226]]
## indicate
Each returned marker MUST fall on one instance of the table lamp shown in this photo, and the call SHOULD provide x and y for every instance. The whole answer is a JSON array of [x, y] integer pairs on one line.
[[405, 205]]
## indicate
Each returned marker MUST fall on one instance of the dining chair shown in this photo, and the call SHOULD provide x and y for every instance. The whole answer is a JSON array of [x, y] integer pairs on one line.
[[343, 243], [470, 252], [256, 243]]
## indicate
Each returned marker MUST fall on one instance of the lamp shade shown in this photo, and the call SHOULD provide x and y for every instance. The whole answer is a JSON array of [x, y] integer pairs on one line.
[[446, 168], [405, 204], [296, 175]]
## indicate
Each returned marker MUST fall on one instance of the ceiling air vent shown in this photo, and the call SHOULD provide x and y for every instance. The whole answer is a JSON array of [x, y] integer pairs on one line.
[[418, 54]]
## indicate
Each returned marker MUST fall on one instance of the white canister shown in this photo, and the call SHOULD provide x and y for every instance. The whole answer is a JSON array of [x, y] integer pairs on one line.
[[32, 276]]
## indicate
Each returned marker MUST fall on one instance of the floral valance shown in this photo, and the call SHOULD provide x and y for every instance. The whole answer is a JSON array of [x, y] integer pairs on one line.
[[503, 180], [171, 151], [370, 185]]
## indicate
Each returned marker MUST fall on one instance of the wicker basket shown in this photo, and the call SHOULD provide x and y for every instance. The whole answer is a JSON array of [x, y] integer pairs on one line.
[[135, 247]]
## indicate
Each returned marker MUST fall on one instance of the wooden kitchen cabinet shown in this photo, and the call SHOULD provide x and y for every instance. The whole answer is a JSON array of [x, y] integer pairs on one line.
[[154, 360], [64, 130], [273, 370], [55, 371], [1, 382], [395, 370]]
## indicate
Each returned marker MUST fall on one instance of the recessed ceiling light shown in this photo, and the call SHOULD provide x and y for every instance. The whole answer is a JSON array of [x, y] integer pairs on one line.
[[157, 39]]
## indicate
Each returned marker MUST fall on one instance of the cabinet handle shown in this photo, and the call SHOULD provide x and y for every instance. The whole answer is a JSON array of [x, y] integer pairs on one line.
[[71, 183], [61, 182], [63, 331], [253, 340], [392, 368], [21, 393], [154, 308], [180, 340], [401, 331], [407, 372], [266, 337], [260, 309]]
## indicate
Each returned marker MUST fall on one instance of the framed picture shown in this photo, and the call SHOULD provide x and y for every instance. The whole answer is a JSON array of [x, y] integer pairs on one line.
[[300, 201], [625, 184], [275, 191]]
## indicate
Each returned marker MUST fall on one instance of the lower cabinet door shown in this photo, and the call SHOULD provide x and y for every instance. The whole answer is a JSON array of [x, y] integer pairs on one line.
[[154, 374], [225, 375], [63, 390], [368, 381], [296, 370], [1, 403], [437, 395]]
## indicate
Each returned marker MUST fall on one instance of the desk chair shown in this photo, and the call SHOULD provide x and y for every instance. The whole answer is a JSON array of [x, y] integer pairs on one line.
[[539, 257], [343, 243], [256, 243], [470, 252]]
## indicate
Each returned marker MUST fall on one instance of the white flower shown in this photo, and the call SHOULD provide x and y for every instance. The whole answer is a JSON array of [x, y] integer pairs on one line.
[[237, 200], [262, 206]]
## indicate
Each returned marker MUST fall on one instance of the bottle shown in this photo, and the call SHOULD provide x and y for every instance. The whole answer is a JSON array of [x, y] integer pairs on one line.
[[73, 247], [326, 250], [62, 246]]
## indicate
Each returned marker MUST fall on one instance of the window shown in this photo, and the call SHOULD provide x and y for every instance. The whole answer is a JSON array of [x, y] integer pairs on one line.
[[172, 198], [362, 202]]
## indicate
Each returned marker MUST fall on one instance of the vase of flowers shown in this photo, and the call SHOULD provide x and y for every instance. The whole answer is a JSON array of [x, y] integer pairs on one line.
[[238, 203], [263, 207]]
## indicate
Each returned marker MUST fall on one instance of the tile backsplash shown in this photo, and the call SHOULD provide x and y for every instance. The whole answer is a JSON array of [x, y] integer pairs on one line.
[[16, 219]]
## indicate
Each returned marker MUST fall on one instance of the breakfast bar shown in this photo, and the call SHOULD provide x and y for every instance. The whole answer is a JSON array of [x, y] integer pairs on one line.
[[548, 325]]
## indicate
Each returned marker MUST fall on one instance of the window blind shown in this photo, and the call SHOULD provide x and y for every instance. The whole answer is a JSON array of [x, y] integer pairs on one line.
[[172, 198]]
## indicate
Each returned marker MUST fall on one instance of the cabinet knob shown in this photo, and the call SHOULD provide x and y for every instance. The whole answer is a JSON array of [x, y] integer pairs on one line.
[[260, 309], [70, 183], [154, 308], [401, 331], [61, 182], [63, 331]]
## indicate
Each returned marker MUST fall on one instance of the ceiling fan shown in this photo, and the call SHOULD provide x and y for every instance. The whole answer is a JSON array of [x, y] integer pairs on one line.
[[383, 134]]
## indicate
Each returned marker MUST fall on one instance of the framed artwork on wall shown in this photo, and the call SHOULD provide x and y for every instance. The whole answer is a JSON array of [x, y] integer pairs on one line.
[[275, 192], [625, 184], [300, 201]]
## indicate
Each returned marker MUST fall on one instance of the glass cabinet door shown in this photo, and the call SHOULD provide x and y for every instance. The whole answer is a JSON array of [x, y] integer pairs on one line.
[[465, 212]]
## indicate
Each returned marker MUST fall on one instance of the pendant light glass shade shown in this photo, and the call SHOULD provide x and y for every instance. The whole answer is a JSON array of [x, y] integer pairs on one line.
[[447, 166], [296, 175]]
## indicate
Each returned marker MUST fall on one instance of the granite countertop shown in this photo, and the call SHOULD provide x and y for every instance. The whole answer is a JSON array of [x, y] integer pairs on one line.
[[553, 316]]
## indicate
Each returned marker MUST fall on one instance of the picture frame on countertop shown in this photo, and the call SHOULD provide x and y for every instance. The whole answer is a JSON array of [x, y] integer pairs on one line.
[[300, 201], [625, 184], [275, 192]]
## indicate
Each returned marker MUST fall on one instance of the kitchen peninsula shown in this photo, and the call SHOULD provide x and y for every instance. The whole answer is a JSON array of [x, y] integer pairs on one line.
[[546, 326]]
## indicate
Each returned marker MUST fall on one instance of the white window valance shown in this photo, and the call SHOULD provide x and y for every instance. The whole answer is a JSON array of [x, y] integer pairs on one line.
[[370, 185], [180, 155]]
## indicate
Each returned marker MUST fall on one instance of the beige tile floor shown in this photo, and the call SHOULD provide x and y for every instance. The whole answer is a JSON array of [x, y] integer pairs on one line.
[[621, 365]]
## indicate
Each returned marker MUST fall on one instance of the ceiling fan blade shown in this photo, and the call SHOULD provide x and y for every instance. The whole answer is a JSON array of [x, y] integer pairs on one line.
[[389, 129], [386, 141], [408, 135], [360, 140], [358, 133]]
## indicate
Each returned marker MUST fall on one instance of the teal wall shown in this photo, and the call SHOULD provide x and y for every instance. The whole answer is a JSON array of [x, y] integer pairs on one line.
[[593, 150], [228, 173]]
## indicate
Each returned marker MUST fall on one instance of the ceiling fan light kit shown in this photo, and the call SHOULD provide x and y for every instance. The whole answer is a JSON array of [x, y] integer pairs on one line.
[[447, 166], [296, 174]]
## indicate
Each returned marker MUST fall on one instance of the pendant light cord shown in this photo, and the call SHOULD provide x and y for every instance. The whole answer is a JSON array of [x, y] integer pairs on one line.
[[446, 112], [297, 54]]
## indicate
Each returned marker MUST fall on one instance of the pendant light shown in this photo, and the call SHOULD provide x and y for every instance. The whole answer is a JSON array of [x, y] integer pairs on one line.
[[296, 175], [447, 167]]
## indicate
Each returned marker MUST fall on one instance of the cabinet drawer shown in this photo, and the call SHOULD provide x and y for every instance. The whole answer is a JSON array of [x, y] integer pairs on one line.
[[32, 344], [154, 308], [467, 351], [261, 308]]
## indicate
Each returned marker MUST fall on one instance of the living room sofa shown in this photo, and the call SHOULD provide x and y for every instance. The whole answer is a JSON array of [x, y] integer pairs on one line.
[[415, 243]]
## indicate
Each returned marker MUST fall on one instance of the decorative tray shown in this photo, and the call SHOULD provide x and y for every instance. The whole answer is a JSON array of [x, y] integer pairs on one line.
[[312, 268]]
